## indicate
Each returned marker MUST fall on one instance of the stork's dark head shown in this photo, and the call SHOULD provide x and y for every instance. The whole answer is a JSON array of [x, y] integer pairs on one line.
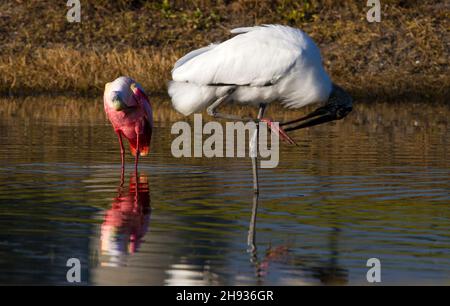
[[340, 102], [338, 106]]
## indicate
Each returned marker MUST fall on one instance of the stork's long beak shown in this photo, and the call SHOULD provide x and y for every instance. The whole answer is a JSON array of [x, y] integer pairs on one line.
[[329, 112]]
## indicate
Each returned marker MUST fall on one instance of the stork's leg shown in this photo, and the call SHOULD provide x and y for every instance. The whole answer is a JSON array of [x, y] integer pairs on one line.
[[122, 154], [255, 174], [251, 239], [212, 109], [262, 108]]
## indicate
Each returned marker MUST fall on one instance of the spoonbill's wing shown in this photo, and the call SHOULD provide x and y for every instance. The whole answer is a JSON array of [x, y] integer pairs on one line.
[[258, 56], [142, 98], [148, 110]]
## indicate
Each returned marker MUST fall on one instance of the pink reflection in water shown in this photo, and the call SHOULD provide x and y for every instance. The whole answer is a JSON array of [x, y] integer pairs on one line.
[[126, 222]]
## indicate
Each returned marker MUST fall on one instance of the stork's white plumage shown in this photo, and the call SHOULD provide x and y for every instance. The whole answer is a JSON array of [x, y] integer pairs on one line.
[[258, 66], [266, 63]]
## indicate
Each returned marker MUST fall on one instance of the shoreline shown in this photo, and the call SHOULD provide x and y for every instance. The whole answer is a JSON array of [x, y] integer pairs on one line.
[[64, 109], [404, 57]]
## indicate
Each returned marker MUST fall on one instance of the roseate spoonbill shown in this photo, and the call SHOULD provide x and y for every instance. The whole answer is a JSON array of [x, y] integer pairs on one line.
[[130, 113], [260, 65]]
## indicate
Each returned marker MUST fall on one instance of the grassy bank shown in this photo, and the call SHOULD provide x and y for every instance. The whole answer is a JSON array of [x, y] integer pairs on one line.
[[405, 57]]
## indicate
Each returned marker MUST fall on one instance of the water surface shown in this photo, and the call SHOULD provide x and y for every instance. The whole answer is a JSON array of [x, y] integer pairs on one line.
[[373, 185]]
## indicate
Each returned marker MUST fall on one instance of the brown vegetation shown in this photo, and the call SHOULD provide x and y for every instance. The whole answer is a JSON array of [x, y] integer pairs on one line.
[[405, 57]]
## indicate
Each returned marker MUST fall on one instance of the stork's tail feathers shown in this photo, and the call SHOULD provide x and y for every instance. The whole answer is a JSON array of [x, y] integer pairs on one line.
[[188, 98]]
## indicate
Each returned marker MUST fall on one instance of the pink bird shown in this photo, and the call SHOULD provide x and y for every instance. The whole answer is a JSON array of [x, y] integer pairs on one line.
[[130, 113]]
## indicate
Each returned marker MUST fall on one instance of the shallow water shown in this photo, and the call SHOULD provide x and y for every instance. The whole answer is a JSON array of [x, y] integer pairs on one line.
[[362, 188]]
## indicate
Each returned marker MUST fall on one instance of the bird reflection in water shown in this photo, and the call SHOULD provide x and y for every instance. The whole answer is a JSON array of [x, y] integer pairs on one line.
[[328, 272], [126, 222]]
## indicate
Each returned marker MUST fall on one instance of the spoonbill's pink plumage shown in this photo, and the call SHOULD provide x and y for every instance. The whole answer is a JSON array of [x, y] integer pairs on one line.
[[130, 113]]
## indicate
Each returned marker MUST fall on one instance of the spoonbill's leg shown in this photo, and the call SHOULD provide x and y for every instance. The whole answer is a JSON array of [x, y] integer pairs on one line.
[[122, 154], [138, 152], [120, 188], [136, 195], [262, 108]]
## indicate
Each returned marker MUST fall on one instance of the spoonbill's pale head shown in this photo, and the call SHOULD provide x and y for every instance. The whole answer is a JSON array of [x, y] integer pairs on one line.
[[116, 101]]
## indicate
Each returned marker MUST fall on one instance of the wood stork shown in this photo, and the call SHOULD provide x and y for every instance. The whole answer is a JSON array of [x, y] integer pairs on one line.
[[130, 113], [260, 65]]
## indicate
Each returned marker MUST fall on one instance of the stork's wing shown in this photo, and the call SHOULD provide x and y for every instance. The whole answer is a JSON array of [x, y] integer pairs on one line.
[[192, 54], [259, 56]]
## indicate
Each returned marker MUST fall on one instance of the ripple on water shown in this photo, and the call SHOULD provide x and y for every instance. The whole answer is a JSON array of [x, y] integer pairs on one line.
[[347, 193]]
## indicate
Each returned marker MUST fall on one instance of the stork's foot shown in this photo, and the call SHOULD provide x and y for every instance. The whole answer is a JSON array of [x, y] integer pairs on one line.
[[278, 130]]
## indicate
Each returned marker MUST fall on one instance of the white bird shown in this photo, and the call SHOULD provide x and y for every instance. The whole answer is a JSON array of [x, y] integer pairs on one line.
[[259, 66]]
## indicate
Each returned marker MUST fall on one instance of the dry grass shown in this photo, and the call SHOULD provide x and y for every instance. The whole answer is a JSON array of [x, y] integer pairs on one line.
[[405, 57], [58, 70]]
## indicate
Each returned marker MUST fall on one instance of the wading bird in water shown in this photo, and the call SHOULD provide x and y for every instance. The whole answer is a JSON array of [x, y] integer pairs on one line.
[[130, 113], [260, 65]]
